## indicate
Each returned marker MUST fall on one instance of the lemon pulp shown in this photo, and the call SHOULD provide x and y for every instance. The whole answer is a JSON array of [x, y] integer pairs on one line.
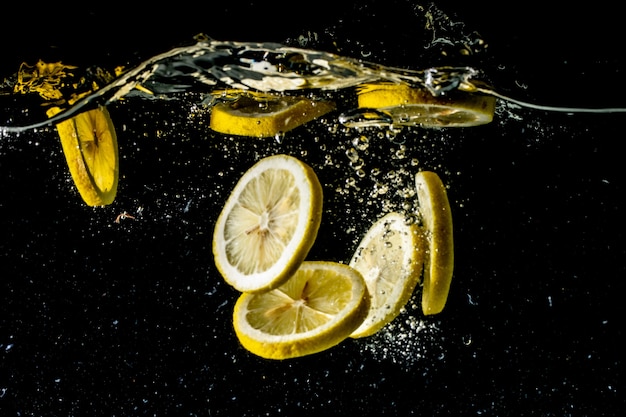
[[317, 308], [265, 115], [390, 257], [268, 224], [434, 209], [90, 147], [412, 106]]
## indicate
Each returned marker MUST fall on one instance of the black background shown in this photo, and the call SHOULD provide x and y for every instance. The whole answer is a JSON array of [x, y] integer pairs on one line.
[[100, 318]]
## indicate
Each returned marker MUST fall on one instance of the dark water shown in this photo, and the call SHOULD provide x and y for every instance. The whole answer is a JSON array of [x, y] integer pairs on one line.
[[132, 318]]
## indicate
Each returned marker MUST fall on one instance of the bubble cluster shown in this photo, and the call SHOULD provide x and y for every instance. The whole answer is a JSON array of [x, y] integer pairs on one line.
[[408, 340]]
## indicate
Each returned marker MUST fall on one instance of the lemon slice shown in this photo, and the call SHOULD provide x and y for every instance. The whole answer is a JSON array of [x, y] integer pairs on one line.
[[268, 224], [390, 257], [265, 115], [90, 146], [409, 106], [317, 308], [436, 217]]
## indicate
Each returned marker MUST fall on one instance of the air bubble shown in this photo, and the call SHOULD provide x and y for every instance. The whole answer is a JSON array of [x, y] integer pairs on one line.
[[361, 143], [352, 155], [358, 164]]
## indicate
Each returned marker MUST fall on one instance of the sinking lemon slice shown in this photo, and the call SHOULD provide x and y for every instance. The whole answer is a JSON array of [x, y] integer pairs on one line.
[[268, 224], [265, 115], [436, 215], [317, 308], [410, 106], [390, 257], [90, 146]]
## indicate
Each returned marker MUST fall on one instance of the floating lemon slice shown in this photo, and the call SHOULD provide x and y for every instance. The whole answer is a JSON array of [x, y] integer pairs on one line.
[[409, 106], [90, 146], [317, 308], [390, 257], [436, 216], [268, 224], [265, 115]]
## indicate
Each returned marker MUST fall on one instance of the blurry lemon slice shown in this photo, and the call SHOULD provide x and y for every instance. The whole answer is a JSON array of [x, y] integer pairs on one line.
[[318, 307], [410, 106], [268, 224], [436, 216], [90, 146], [390, 257], [265, 115]]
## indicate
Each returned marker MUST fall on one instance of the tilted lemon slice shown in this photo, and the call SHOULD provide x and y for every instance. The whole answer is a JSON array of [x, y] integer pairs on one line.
[[317, 308], [90, 146], [265, 115], [268, 224], [436, 215], [390, 257], [410, 106]]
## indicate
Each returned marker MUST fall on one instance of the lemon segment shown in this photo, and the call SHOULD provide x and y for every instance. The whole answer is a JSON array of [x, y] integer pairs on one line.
[[268, 224], [90, 146], [390, 257], [317, 308], [264, 115], [436, 215], [410, 106]]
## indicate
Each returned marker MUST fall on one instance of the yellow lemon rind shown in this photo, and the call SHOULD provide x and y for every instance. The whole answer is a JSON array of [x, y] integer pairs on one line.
[[415, 106], [400, 245], [89, 143], [313, 341], [299, 245], [436, 215], [267, 117]]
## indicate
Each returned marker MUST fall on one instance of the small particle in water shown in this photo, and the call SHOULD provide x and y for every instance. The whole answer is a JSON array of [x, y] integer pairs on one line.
[[470, 300]]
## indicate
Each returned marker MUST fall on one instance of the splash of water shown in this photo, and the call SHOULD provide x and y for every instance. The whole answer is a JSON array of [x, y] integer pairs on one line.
[[210, 65]]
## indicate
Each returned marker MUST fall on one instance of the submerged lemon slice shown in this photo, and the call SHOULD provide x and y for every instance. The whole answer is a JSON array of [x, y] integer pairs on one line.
[[436, 215], [90, 146], [265, 115], [268, 224], [410, 106], [317, 308], [390, 257]]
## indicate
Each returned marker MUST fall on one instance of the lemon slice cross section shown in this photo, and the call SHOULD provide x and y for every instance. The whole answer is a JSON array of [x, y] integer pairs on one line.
[[90, 147], [264, 115], [390, 257], [410, 106], [436, 215], [268, 224], [317, 308]]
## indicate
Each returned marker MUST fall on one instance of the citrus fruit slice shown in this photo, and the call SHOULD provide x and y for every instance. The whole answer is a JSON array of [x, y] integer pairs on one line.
[[90, 146], [410, 106], [390, 257], [317, 308], [265, 115], [268, 224], [436, 215]]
